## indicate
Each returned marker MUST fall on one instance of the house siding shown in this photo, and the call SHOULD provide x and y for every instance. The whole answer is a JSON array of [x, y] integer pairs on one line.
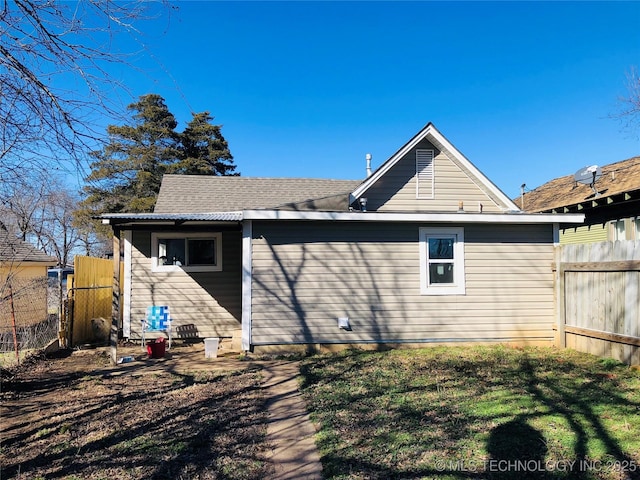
[[584, 234], [28, 284], [396, 190], [306, 275], [208, 301]]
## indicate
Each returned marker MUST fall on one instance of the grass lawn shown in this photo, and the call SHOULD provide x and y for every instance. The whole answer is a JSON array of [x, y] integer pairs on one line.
[[483, 412]]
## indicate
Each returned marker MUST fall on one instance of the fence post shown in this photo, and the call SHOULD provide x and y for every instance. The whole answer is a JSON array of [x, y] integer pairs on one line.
[[13, 323], [115, 298], [562, 304], [67, 310], [559, 297]]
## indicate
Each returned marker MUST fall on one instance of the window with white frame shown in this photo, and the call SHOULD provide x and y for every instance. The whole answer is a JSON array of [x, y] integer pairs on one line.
[[442, 261], [193, 252], [619, 230]]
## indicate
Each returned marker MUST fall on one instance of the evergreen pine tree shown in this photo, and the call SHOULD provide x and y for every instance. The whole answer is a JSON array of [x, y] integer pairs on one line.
[[126, 174], [204, 151]]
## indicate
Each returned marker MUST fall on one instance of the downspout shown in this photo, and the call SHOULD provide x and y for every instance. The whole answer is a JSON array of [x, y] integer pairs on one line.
[[247, 232], [115, 298]]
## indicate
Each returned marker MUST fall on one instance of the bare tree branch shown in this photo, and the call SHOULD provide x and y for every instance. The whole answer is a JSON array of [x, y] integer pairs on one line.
[[54, 80], [629, 113]]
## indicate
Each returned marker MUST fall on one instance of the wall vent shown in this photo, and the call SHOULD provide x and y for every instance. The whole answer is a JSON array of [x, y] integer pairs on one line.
[[425, 179]]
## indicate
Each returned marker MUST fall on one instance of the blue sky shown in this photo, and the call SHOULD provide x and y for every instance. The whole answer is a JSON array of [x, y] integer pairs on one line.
[[524, 90]]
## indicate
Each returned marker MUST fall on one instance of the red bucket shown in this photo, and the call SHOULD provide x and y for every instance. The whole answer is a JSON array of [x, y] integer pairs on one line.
[[157, 348]]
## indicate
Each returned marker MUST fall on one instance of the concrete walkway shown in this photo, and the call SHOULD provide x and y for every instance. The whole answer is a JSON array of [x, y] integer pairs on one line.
[[290, 432], [289, 429]]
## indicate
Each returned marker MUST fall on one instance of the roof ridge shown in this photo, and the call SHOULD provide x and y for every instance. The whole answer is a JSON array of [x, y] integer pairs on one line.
[[322, 179]]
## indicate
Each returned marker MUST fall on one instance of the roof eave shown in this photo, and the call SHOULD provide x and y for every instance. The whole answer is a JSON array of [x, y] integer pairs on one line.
[[515, 217], [29, 263], [433, 217], [172, 219]]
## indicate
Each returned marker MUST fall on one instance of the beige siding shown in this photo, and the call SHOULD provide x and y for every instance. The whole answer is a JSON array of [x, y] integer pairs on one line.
[[396, 190], [305, 276], [208, 301]]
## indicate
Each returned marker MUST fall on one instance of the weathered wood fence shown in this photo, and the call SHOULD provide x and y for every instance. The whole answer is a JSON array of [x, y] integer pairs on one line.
[[89, 301], [598, 299]]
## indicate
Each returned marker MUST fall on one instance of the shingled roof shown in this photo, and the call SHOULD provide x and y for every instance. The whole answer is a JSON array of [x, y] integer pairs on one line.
[[14, 250], [617, 179], [201, 193]]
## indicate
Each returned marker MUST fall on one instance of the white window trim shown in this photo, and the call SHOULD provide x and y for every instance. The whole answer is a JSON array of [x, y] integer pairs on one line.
[[157, 267], [457, 288]]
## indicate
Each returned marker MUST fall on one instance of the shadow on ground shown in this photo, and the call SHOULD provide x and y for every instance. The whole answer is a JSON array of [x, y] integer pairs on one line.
[[136, 423]]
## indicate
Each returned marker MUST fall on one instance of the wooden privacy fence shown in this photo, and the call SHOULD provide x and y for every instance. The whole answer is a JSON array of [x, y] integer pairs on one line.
[[90, 301], [598, 298]]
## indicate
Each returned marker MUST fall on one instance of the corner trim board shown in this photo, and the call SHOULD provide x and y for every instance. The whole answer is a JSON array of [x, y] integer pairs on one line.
[[126, 287]]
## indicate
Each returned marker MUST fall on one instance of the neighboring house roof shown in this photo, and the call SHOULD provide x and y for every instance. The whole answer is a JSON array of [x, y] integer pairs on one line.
[[14, 250], [201, 193], [620, 182]]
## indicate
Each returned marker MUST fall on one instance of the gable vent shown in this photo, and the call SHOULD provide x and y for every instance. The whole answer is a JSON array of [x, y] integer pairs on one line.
[[424, 174]]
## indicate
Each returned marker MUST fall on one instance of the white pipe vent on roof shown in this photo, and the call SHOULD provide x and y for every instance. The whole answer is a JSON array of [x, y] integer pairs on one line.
[[368, 157]]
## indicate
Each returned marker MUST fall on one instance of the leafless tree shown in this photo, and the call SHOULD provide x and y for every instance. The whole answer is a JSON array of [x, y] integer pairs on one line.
[[629, 113], [41, 211], [54, 80]]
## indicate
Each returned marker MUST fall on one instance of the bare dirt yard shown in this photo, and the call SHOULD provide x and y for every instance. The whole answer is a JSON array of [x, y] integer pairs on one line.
[[73, 416]]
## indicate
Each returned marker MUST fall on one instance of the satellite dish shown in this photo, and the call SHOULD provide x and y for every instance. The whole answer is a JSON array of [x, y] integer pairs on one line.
[[589, 176]]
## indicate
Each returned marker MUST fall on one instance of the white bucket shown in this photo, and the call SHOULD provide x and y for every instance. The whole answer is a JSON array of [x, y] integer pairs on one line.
[[211, 347]]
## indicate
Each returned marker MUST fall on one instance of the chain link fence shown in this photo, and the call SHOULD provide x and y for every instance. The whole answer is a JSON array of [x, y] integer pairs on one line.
[[29, 317]]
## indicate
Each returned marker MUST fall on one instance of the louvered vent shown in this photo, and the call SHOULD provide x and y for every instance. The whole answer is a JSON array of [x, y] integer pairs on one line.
[[424, 173]]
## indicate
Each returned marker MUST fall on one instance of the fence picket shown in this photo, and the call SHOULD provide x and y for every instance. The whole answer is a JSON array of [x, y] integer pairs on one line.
[[599, 285]]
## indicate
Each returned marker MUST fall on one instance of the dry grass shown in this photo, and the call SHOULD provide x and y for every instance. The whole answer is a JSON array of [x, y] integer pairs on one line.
[[70, 423]]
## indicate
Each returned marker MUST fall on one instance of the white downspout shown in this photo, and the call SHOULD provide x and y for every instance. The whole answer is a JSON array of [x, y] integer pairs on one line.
[[247, 231]]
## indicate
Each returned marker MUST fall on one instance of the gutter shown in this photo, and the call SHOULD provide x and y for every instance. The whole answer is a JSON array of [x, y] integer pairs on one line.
[[504, 218]]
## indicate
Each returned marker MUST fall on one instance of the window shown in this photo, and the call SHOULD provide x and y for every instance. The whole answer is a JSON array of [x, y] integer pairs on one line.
[[619, 230], [196, 252], [442, 261], [424, 174]]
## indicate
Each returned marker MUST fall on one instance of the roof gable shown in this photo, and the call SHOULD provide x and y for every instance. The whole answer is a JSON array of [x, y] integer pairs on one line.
[[201, 193], [448, 162]]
